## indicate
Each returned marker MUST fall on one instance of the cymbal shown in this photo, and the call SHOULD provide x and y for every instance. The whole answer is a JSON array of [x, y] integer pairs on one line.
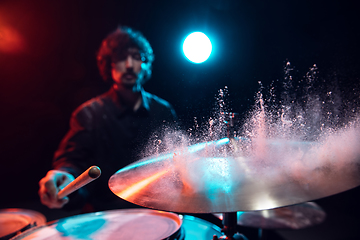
[[230, 175], [292, 217], [15, 220]]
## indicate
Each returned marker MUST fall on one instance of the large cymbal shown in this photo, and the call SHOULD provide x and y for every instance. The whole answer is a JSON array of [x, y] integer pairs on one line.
[[230, 175], [291, 217]]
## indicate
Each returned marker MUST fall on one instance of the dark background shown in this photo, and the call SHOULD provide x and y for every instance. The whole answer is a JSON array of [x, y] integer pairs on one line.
[[48, 68]]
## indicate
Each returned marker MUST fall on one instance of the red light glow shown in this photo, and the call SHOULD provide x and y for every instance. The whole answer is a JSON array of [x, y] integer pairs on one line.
[[137, 187], [10, 40]]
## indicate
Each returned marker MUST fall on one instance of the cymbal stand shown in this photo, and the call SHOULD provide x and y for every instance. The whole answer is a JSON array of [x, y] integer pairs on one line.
[[230, 219], [229, 228]]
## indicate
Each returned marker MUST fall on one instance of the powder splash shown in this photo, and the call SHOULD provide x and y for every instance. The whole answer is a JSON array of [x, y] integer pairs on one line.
[[292, 147]]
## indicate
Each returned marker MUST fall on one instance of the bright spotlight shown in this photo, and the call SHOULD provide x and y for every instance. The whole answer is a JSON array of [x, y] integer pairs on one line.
[[197, 47]]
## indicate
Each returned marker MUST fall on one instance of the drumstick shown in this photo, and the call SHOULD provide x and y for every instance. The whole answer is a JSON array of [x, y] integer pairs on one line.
[[86, 177]]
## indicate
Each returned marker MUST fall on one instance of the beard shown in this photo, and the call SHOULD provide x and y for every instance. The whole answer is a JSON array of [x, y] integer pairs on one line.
[[130, 80]]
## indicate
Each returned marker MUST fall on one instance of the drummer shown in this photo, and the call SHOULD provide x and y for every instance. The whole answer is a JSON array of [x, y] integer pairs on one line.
[[110, 130]]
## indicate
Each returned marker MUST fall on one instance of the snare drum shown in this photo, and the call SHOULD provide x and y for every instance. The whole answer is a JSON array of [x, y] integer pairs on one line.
[[13, 221], [199, 229], [129, 224]]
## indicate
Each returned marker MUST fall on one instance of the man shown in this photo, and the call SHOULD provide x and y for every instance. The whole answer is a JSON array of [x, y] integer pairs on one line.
[[112, 129]]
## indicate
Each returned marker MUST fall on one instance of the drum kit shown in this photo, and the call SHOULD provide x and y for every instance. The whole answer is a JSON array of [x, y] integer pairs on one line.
[[212, 178]]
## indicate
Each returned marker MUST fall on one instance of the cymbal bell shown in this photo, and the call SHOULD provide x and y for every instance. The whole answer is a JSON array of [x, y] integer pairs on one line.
[[291, 217], [227, 175]]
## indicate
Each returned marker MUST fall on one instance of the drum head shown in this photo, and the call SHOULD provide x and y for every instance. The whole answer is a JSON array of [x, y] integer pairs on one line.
[[114, 224], [13, 220]]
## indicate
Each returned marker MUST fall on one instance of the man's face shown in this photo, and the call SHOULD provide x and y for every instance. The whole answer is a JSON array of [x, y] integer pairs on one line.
[[126, 72]]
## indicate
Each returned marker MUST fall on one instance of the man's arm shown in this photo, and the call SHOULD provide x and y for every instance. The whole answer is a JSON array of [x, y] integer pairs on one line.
[[74, 155]]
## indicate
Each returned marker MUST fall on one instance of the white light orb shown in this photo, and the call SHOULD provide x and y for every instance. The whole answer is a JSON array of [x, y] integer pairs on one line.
[[197, 47]]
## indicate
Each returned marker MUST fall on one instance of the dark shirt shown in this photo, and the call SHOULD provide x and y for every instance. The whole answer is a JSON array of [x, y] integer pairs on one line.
[[106, 133]]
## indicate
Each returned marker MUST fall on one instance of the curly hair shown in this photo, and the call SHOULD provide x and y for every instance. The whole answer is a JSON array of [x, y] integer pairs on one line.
[[116, 44]]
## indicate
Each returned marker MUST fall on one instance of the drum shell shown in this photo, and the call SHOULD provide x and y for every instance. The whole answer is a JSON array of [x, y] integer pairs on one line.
[[199, 229]]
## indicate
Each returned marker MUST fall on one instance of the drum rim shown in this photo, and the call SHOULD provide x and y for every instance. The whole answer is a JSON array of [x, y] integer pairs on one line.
[[26, 232]]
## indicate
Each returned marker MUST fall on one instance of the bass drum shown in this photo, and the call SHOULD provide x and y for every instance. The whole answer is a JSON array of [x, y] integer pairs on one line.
[[14, 221], [134, 224], [199, 229]]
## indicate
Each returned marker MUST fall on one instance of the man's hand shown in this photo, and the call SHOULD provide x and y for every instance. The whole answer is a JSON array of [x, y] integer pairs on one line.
[[51, 184]]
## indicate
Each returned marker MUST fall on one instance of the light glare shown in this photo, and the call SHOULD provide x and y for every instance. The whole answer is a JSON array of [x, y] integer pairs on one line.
[[197, 47]]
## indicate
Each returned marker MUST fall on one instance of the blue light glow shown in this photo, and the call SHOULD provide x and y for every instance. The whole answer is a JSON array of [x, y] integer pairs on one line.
[[197, 47]]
